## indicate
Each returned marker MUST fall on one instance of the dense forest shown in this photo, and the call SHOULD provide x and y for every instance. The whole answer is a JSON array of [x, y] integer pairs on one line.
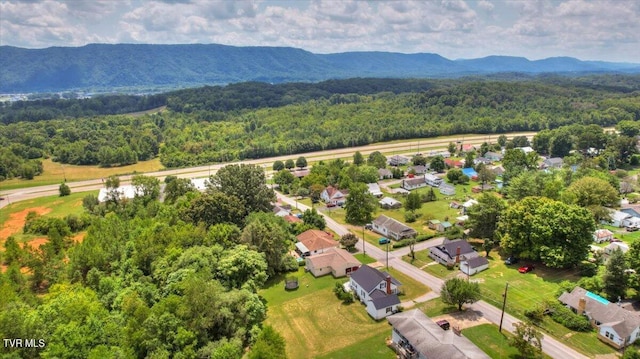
[[173, 279], [255, 120]]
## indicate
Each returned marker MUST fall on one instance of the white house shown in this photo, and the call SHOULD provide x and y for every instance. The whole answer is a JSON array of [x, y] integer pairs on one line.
[[474, 265], [616, 326], [122, 192], [432, 180], [618, 218], [413, 183], [377, 290], [526, 149], [398, 160], [332, 195], [468, 204], [384, 173], [374, 189], [416, 336], [390, 203], [392, 228], [602, 235], [451, 252], [608, 250]]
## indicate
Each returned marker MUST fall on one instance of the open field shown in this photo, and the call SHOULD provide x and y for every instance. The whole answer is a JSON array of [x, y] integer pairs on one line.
[[435, 307], [13, 216], [491, 341], [371, 348], [315, 323], [55, 173]]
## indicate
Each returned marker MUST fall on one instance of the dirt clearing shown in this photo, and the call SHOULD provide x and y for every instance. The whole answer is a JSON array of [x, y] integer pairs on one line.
[[16, 221]]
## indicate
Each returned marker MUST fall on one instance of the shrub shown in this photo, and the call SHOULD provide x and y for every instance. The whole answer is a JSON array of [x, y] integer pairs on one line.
[[424, 237], [42, 225], [409, 217], [587, 269], [402, 243], [566, 317], [289, 264], [536, 314], [345, 297]]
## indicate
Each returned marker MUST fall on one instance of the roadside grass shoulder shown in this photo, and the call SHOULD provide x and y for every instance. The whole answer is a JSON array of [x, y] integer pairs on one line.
[[435, 307], [492, 342]]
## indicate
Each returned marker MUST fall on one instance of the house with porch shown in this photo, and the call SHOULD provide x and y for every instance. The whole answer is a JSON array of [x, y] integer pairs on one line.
[[384, 173], [615, 325], [392, 228], [390, 203], [377, 290], [602, 235], [398, 160], [416, 336], [374, 189], [451, 252], [335, 261], [447, 189], [432, 180], [334, 196]]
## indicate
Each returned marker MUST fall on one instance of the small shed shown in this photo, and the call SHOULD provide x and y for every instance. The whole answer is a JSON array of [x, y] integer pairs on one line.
[[474, 265]]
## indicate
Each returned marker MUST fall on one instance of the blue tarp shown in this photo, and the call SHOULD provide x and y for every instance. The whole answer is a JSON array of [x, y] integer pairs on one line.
[[470, 172]]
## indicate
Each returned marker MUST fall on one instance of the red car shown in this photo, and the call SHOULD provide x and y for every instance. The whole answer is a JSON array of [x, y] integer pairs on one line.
[[526, 269]]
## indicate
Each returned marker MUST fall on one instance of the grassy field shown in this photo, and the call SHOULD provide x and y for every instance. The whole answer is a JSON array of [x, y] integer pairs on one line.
[[315, 323], [410, 288], [364, 259], [12, 216], [368, 348], [491, 341], [55, 172], [435, 307], [423, 262]]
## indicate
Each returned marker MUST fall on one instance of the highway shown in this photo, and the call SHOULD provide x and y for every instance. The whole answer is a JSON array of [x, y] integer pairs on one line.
[[411, 147], [550, 345]]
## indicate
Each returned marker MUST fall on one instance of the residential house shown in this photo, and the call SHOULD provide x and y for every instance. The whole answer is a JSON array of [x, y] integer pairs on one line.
[[455, 205], [314, 241], [334, 196], [451, 252], [282, 210], [494, 156], [377, 290], [632, 210], [374, 189], [608, 250], [416, 336], [392, 228], [432, 180], [398, 160], [602, 235], [615, 325], [200, 183], [419, 170], [447, 189], [468, 204], [474, 265], [292, 219], [453, 163], [553, 162], [445, 226], [413, 183], [461, 220], [483, 160], [389, 203], [444, 154], [618, 218], [498, 170], [384, 173], [526, 149], [300, 173], [467, 148], [336, 261]]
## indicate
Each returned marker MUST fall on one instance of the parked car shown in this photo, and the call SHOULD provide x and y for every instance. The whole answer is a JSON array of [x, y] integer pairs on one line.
[[383, 240], [329, 205], [368, 226], [614, 240], [631, 229], [511, 260], [526, 269], [444, 324]]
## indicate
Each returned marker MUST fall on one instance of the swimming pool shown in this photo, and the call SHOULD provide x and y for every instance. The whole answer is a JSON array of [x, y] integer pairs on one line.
[[597, 297]]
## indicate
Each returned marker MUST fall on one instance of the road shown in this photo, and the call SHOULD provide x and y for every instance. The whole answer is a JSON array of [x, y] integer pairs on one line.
[[16, 195], [550, 345]]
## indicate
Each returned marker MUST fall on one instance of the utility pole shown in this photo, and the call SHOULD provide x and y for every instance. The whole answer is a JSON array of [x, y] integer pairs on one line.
[[364, 251], [388, 253], [504, 303]]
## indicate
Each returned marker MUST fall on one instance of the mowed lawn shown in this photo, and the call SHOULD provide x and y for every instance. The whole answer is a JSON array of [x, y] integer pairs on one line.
[[491, 341], [315, 323], [55, 172]]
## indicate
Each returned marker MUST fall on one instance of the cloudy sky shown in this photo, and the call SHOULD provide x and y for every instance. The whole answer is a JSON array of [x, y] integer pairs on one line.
[[586, 29]]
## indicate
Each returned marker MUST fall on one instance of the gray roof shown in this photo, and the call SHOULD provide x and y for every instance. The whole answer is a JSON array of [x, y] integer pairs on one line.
[[368, 278], [451, 247], [382, 300], [415, 181], [476, 262], [621, 320], [430, 340], [394, 226]]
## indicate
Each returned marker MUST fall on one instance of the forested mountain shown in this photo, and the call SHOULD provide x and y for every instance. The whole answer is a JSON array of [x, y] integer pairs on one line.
[[102, 66], [254, 120]]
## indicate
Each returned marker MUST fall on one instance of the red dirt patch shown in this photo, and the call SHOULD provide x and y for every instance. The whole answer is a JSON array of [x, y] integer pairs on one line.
[[36, 243], [78, 238], [16, 221]]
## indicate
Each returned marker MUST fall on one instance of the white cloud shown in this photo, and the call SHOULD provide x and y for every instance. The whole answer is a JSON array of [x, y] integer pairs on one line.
[[453, 28]]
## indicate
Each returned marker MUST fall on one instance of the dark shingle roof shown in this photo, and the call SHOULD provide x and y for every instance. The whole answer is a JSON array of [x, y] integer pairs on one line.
[[368, 278], [384, 300], [477, 262], [451, 247]]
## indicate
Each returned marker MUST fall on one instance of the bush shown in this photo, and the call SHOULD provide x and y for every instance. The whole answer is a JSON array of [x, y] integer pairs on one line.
[[345, 297], [536, 314], [42, 225], [402, 243], [410, 217], [289, 264], [424, 237], [566, 317], [587, 269]]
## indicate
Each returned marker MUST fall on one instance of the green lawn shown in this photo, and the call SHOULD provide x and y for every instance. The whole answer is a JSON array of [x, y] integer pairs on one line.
[[411, 289], [315, 323], [435, 307], [370, 348], [491, 341], [364, 259], [423, 260]]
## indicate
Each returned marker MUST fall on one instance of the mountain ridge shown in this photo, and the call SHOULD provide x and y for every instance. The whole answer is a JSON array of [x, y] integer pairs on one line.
[[110, 66]]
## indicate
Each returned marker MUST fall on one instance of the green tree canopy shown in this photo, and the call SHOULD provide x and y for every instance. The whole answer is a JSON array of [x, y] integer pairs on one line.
[[248, 184], [484, 216], [458, 292]]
